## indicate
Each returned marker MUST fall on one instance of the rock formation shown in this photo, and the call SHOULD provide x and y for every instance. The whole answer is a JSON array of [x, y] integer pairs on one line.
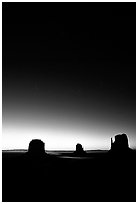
[[36, 148], [79, 150], [120, 143]]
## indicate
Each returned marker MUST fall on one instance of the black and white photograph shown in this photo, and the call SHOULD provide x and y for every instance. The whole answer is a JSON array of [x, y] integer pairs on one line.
[[68, 101]]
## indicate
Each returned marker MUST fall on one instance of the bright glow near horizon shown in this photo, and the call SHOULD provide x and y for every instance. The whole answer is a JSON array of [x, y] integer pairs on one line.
[[55, 139]]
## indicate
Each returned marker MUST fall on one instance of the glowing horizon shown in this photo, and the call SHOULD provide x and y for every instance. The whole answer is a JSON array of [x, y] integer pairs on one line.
[[62, 127], [67, 83], [58, 138]]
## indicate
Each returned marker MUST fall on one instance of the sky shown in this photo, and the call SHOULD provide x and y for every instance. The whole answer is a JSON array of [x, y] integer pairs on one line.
[[68, 74]]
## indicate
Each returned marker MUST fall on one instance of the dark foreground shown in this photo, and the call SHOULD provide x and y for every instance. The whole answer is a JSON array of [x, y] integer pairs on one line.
[[95, 177]]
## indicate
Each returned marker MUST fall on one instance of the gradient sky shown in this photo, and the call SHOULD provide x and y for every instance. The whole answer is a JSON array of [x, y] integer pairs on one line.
[[69, 74]]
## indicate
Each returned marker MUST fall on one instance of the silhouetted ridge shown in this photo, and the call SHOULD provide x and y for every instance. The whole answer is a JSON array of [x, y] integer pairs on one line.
[[39, 177], [36, 148]]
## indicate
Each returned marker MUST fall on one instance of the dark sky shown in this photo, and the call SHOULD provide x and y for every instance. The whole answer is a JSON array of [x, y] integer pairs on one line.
[[69, 73]]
